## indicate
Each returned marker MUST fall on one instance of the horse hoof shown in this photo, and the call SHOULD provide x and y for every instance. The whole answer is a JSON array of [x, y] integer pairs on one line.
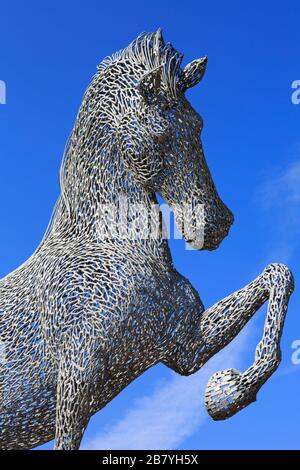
[[226, 394]]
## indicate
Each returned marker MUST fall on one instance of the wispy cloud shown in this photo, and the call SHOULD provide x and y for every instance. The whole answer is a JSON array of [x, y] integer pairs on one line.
[[279, 196], [283, 188], [173, 412]]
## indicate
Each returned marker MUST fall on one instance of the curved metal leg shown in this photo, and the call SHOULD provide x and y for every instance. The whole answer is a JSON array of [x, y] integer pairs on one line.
[[229, 391]]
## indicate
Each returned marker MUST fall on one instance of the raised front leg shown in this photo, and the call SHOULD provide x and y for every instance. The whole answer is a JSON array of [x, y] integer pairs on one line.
[[229, 391]]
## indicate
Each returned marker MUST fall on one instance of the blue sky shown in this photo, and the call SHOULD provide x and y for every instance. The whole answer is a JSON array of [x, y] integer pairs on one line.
[[251, 137]]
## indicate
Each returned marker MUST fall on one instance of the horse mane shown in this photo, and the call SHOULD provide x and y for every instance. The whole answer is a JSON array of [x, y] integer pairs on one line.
[[148, 50]]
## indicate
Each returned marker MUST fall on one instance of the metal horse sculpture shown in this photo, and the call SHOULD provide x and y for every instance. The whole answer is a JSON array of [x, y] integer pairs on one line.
[[91, 310]]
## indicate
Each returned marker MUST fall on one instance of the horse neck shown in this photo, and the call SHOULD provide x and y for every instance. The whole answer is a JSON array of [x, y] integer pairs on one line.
[[94, 181], [94, 176]]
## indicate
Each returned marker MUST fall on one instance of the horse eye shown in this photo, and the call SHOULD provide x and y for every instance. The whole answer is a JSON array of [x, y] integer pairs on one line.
[[168, 105]]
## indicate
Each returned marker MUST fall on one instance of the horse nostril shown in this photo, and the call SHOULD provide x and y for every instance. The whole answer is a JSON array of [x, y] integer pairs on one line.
[[230, 218]]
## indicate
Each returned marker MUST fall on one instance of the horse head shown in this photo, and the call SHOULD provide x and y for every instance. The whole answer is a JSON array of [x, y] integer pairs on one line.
[[158, 135]]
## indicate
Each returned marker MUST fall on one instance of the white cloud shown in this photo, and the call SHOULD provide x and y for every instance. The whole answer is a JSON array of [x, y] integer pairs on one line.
[[280, 199], [173, 412], [283, 188]]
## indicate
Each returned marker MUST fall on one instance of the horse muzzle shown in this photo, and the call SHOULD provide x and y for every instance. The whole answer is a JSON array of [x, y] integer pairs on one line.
[[209, 234]]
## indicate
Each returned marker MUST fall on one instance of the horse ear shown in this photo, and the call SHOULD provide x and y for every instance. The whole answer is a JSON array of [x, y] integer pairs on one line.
[[159, 40], [192, 74], [150, 84]]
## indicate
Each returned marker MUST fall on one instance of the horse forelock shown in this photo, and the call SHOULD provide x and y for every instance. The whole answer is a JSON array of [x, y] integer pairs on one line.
[[151, 52]]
